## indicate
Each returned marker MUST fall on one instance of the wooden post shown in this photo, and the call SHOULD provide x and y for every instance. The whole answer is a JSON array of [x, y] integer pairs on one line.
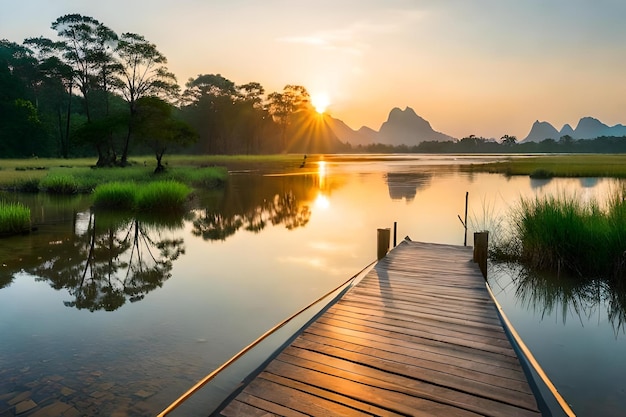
[[465, 222], [481, 244], [383, 242], [395, 233]]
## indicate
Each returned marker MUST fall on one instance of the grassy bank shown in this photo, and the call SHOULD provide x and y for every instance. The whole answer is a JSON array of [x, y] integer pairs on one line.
[[80, 179], [14, 218], [565, 234], [592, 165]]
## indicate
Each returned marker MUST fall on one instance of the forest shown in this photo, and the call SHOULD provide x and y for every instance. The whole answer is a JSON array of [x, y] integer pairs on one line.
[[93, 92]]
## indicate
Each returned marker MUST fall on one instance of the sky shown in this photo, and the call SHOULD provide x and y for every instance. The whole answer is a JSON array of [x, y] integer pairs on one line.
[[482, 67]]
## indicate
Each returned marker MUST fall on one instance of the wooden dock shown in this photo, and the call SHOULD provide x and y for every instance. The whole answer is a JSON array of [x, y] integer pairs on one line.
[[418, 336]]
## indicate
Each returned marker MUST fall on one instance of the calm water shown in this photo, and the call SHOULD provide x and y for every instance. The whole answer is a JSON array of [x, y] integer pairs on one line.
[[119, 316]]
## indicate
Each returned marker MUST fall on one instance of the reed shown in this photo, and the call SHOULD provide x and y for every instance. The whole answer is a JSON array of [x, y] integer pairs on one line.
[[566, 234], [115, 195], [59, 184], [162, 196], [14, 218], [157, 196]]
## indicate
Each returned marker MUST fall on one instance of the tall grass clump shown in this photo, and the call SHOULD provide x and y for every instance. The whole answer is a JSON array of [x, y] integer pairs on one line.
[[59, 184], [162, 196], [115, 195], [153, 197], [564, 234], [14, 218]]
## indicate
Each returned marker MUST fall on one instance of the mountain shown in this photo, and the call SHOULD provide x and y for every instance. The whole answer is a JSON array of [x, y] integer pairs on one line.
[[566, 130], [587, 128], [403, 127], [406, 127], [540, 131], [363, 136]]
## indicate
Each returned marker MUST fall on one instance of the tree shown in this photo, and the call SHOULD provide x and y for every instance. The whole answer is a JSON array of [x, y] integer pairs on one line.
[[143, 73], [84, 48], [508, 140], [21, 131], [210, 105], [55, 82], [283, 106], [251, 114], [156, 126]]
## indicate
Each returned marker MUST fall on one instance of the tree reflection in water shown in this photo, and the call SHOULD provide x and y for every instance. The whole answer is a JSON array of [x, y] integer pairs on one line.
[[277, 201], [548, 293], [114, 260]]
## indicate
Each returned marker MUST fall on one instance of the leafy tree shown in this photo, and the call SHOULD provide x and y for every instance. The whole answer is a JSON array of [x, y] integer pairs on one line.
[[508, 140], [283, 106], [55, 82], [143, 73], [252, 115], [21, 131], [156, 126], [210, 100], [83, 46]]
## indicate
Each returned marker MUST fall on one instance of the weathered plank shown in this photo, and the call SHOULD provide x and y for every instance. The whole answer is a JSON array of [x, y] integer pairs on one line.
[[419, 335]]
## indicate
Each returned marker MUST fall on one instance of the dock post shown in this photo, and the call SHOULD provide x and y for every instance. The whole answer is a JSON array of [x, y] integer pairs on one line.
[[395, 234], [383, 242], [481, 245]]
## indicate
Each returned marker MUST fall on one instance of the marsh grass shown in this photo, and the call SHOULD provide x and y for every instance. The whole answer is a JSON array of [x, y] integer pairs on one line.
[[162, 196], [78, 175], [579, 165], [58, 183], [14, 218], [157, 196], [565, 234], [115, 195]]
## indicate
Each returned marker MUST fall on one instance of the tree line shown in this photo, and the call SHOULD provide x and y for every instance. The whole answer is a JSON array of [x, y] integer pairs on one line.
[[93, 92], [507, 144]]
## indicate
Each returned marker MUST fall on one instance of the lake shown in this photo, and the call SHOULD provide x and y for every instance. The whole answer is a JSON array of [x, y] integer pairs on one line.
[[109, 315]]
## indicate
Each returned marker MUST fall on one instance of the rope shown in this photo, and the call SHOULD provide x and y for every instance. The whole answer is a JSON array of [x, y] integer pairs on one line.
[[245, 350], [531, 359]]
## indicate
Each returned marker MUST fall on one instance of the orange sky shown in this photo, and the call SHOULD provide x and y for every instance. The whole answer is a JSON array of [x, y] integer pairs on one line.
[[483, 67]]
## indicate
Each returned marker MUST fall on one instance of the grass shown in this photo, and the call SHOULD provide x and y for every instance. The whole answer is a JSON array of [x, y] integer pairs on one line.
[[157, 196], [14, 218], [115, 195], [57, 176], [578, 165], [162, 196], [565, 234]]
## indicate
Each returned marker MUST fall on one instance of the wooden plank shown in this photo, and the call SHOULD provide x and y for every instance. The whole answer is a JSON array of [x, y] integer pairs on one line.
[[415, 347], [480, 398], [393, 401], [435, 361], [419, 335]]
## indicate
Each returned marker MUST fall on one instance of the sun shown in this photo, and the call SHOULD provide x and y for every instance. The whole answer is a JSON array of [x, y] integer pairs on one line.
[[320, 101]]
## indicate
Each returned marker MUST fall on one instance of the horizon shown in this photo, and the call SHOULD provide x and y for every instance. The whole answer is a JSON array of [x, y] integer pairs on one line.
[[488, 68]]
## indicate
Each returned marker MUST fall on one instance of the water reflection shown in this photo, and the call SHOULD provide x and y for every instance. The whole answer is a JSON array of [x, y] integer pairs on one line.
[[106, 260], [275, 200], [557, 294], [405, 184]]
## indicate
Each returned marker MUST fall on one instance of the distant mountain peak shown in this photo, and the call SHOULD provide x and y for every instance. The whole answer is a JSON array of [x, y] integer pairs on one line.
[[587, 128], [402, 127]]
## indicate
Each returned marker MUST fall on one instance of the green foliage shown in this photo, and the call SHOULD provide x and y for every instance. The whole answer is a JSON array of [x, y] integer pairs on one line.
[[14, 218], [60, 184], [115, 195], [541, 174], [559, 166], [565, 234], [162, 196], [157, 196]]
